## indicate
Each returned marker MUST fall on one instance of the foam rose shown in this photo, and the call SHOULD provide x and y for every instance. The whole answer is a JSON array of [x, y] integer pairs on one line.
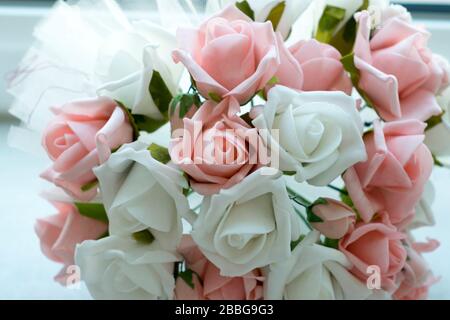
[[141, 193], [393, 178], [375, 244], [314, 272], [399, 73], [120, 268], [209, 284], [320, 68], [229, 55], [247, 226], [79, 138], [216, 148], [320, 133], [60, 233]]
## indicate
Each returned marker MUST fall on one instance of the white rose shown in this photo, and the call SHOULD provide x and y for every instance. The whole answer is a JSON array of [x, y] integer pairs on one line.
[[116, 268], [380, 11], [127, 61], [293, 9], [313, 272], [320, 133], [142, 193], [424, 214], [350, 7], [437, 137], [247, 226]]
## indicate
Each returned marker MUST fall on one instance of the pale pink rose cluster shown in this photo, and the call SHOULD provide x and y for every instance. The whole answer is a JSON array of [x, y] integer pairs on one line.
[[400, 78], [230, 59]]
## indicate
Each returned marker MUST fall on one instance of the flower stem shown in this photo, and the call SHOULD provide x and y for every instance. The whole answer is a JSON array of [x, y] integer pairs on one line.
[[300, 200], [302, 217], [338, 189], [304, 202]]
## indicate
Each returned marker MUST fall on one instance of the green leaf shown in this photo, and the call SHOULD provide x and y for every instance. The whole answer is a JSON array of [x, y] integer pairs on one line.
[[348, 62], [187, 277], [311, 216], [345, 198], [160, 93], [273, 81], [344, 39], [214, 97], [92, 210], [331, 243], [187, 191], [289, 173], [328, 23], [147, 124], [174, 104], [89, 186], [296, 242], [104, 235], [262, 94], [276, 13], [185, 101], [141, 123], [437, 162], [246, 9], [434, 121], [247, 119], [159, 153], [144, 236]]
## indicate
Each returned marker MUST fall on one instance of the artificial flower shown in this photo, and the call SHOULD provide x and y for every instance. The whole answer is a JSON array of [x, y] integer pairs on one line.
[[60, 233], [375, 245], [398, 72], [337, 218], [320, 133], [314, 272], [216, 148], [247, 226], [209, 284], [121, 268], [229, 55], [394, 176], [141, 193], [127, 62], [79, 138]]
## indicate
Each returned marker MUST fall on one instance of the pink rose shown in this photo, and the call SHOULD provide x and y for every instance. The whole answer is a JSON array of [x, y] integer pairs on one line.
[[416, 277], [229, 55], [399, 74], [216, 148], [338, 218], [81, 137], [320, 68], [59, 234], [177, 122], [394, 176], [215, 286], [375, 244]]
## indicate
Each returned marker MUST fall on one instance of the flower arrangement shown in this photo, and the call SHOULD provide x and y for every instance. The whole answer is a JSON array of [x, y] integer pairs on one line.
[[193, 187]]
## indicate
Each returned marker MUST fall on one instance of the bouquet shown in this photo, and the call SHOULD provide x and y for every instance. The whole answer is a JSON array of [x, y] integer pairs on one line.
[[239, 150]]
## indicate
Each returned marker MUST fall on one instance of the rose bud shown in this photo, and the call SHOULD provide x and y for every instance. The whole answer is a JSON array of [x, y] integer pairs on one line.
[[331, 217]]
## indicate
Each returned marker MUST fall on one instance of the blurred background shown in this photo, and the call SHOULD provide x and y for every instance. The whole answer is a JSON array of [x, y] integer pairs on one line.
[[25, 273]]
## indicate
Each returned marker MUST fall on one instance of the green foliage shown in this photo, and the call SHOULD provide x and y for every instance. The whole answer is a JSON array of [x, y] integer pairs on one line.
[[94, 211]]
